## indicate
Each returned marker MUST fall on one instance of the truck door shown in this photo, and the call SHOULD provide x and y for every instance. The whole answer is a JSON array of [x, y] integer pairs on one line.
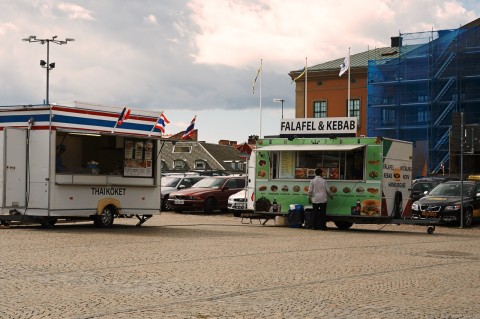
[[15, 167]]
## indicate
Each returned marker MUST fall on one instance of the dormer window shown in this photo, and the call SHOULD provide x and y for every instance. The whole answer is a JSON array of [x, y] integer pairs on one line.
[[163, 165], [200, 164], [179, 164]]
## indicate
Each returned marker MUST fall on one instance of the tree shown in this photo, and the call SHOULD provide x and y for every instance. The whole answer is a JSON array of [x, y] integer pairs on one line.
[[252, 139]]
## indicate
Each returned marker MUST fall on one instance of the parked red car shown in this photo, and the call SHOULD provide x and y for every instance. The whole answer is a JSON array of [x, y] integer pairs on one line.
[[208, 195]]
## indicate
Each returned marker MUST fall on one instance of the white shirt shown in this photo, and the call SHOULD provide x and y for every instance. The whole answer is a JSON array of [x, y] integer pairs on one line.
[[318, 190]]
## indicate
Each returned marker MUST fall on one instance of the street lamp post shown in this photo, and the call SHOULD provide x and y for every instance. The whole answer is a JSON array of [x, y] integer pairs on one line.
[[47, 65], [280, 100]]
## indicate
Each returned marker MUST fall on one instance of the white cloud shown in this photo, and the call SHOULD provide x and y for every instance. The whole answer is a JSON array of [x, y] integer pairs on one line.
[[151, 19], [198, 56], [239, 33], [75, 11], [452, 10], [6, 27]]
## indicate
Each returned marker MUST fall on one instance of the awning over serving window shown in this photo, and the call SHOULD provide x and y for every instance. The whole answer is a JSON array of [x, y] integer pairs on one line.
[[310, 147]]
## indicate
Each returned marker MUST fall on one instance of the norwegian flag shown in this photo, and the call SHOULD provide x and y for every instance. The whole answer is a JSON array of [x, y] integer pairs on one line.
[[162, 122]]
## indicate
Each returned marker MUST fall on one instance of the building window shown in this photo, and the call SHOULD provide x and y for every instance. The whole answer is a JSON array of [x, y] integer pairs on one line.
[[320, 109], [354, 110], [200, 164], [179, 164], [422, 116], [181, 149], [388, 116]]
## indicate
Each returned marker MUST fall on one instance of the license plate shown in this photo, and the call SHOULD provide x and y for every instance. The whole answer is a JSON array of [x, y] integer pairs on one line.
[[429, 214], [178, 202]]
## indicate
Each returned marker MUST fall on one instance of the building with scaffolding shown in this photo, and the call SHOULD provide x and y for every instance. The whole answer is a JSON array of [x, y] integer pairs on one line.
[[419, 94], [414, 90]]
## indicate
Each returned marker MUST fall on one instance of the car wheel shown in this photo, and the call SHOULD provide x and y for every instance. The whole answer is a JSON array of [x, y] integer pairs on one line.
[[165, 204], [210, 205], [105, 219], [468, 217], [343, 225]]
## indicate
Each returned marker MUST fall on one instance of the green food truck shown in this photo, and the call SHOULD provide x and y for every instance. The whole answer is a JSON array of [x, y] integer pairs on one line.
[[370, 177]]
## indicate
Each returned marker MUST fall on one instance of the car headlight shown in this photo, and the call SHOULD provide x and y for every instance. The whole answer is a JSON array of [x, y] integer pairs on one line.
[[193, 197], [453, 207], [415, 206]]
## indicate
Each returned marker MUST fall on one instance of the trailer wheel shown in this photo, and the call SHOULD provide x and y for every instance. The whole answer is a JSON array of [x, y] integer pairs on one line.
[[343, 225], [431, 229], [105, 219]]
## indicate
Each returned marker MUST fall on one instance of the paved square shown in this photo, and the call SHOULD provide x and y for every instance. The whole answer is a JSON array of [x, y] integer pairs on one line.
[[195, 266]]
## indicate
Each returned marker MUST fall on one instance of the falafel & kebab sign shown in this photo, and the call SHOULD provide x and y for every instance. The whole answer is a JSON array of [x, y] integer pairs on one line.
[[319, 126]]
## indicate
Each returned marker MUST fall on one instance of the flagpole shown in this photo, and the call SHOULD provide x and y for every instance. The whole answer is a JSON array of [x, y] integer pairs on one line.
[[261, 71], [306, 78], [151, 131], [349, 67]]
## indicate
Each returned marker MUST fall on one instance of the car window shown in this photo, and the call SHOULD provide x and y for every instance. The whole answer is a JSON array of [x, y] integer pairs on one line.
[[231, 183], [452, 189], [187, 182], [240, 183], [210, 182], [196, 179], [169, 181], [422, 187]]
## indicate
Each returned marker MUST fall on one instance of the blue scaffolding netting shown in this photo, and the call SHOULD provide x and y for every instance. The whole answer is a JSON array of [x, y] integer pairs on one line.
[[414, 94]]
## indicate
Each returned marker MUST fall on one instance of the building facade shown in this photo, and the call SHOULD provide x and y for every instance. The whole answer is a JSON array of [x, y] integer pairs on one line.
[[415, 90]]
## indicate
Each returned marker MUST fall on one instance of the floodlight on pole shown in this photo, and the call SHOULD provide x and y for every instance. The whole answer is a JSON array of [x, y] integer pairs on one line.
[[280, 100], [46, 64]]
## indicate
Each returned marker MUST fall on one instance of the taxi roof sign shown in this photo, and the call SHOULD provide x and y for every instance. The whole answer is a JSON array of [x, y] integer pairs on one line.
[[474, 177]]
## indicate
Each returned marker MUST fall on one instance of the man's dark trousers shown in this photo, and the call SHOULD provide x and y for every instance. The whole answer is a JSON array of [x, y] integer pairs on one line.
[[319, 218]]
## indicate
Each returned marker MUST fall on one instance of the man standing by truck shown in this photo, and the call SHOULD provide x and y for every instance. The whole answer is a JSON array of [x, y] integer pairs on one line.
[[317, 195]]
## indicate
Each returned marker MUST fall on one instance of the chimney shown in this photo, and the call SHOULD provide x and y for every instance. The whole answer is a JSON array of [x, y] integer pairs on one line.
[[395, 42]]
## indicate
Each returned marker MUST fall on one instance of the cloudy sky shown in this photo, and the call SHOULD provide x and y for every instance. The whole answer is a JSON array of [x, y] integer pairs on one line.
[[197, 57]]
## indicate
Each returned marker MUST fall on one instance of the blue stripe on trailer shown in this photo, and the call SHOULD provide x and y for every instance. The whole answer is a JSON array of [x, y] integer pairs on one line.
[[101, 123], [23, 119]]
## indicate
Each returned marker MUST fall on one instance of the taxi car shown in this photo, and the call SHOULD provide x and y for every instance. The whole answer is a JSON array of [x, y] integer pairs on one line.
[[208, 195], [444, 202]]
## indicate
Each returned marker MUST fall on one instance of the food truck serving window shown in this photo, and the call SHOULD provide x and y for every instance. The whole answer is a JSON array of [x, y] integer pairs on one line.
[[86, 153], [301, 162]]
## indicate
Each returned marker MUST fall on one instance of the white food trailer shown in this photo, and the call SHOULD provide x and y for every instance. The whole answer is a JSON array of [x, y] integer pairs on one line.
[[109, 169]]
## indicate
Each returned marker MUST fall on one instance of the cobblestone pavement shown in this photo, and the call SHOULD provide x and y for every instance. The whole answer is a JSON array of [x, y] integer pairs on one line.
[[194, 266]]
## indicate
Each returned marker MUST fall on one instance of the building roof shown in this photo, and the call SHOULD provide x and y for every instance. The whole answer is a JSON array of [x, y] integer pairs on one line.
[[359, 60], [216, 157]]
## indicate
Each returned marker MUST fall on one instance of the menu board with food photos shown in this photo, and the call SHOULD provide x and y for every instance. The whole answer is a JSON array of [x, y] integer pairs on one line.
[[287, 164], [138, 158]]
